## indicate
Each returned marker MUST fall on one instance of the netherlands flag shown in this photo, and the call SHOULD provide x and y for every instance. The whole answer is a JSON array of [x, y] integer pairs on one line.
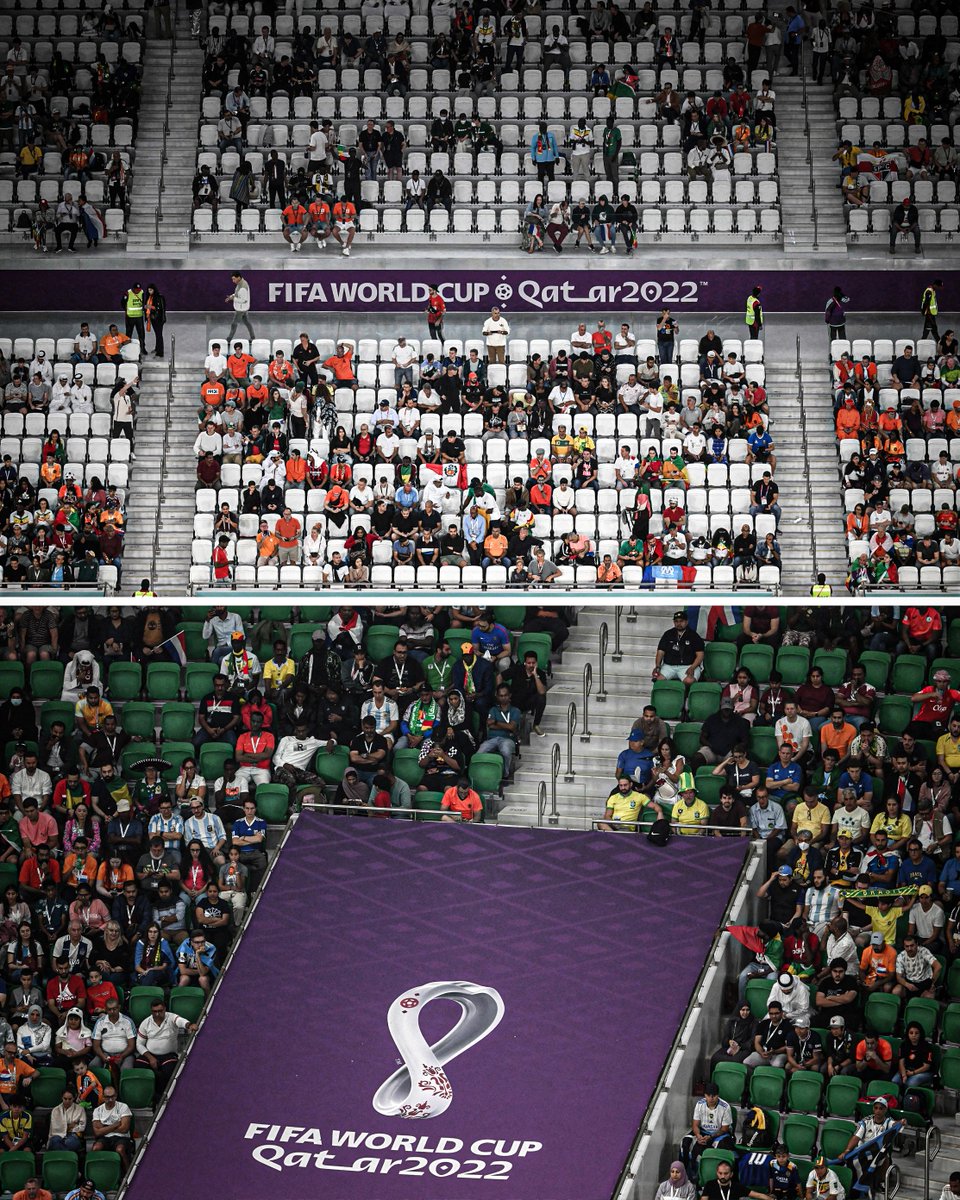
[[176, 648], [707, 619]]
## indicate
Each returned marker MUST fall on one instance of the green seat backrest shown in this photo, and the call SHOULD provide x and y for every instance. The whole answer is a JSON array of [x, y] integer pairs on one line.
[[57, 710], [12, 675], [427, 804], [708, 785], [380, 640], [198, 679], [486, 772], [137, 1086], [196, 643], [511, 616], [406, 766], [686, 738], [188, 1001], [124, 681], [894, 714], [667, 696], [719, 661], [758, 660], [46, 680], [273, 803], [330, 767], [59, 1173], [757, 992], [908, 674], [138, 718], [141, 997], [47, 1086], [763, 745], [703, 700], [212, 757], [163, 681], [175, 753], [793, 663], [833, 663], [876, 663], [177, 720], [539, 643], [16, 1167], [105, 1168]]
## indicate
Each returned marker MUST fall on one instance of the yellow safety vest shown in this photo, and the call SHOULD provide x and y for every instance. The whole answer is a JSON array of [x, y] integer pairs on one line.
[[134, 304], [930, 301], [751, 316], [821, 589]]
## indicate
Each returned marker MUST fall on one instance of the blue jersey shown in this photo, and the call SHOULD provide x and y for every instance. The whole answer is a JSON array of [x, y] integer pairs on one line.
[[783, 1181]]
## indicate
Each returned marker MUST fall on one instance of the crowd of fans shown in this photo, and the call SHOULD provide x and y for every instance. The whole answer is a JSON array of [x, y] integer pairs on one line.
[[69, 106], [134, 823], [833, 737], [597, 453], [305, 118], [66, 441], [897, 413]]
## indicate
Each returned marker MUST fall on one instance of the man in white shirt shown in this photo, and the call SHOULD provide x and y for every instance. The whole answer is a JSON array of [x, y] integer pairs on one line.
[[386, 417], [208, 440], [111, 1128], [158, 1042], [580, 340], [581, 154], [294, 757], [60, 394], [565, 498], [264, 47], [216, 361], [85, 346], [625, 345], [403, 359], [496, 331], [794, 730], [416, 190], [630, 392], [562, 396], [316, 148], [81, 397], [206, 828], [114, 1038], [388, 445]]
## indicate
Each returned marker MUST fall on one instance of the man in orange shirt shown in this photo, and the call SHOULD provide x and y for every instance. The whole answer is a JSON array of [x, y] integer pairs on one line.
[[294, 218], [296, 470], [878, 965], [267, 544], [495, 547], [288, 530], [341, 364], [837, 734], [344, 224], [461, 799], [318, 221], [212, 391], [257, 391], [848, 420], [280, 370], [238, 363], [111, 344]]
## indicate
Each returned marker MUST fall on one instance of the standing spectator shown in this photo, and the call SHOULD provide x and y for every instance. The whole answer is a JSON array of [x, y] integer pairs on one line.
[[544, 154], [240, 299], [155, 316], [754, 313], [435, 311], [495, 331], [611, 147], [275, 179]]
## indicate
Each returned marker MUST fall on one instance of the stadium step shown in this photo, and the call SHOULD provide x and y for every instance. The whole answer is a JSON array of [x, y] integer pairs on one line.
[[798, 201]]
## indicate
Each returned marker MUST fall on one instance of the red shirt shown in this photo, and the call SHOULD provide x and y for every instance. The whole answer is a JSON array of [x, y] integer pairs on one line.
[[922, 624], [343, 210], [436, 307], [263, 745], [66, 993], [31, 877], [937, 709], [602, 340]]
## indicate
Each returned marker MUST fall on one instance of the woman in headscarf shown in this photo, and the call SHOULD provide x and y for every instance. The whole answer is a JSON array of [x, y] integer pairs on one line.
[[676, 1186], [737, 1037], [73, 1039], [35, 1039], [352, 790], [445, 755], [82, 672], [241, 187], [17, 720]]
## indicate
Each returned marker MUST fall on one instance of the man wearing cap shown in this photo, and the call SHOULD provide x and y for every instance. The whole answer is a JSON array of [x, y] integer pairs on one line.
[[838, 1049], [240, 666], [783, 897], [917, 970], [636, 762], [822, 1182], [680, 652], [927, 921], [87, 1190], [937, 702], [804, 1051], [878, 965], [689, 813], [837, 994]]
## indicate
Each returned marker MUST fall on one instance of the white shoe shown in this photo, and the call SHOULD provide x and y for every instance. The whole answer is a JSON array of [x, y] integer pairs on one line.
[[293, 247], [346, 251], [321, 244]]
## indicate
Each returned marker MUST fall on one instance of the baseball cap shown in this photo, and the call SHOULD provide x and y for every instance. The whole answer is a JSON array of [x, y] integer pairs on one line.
[[881, 1100], [837, 1023], [726, 702], [785, 871], [680, 615], [876, 939], [635, 735], [926, 890]]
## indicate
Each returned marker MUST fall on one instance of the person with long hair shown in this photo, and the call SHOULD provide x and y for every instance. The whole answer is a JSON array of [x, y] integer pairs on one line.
[[22, 952], [196, 870], [111, 954], [153, 961], [155, 315]]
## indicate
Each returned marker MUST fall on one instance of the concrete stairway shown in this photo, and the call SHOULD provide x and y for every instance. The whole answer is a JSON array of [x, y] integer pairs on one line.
[[799, 486], [796, 201], [163, 504], [177, 100], [627, 686]]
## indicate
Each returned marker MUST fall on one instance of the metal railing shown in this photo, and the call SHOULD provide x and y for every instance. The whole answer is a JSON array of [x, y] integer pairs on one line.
[[541, 800], [931, 1148], [161, 492], [602, 666], [640, 825], [554, 817], [811, 186], [617, 617], [161, 183], [585, 733], [570, 774], [807, 481]]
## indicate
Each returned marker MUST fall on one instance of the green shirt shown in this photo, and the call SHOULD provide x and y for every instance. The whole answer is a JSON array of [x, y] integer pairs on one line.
[[612, 139]]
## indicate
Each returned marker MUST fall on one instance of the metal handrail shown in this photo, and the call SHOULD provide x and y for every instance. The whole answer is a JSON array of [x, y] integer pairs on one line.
[[601, 666], [929, 1154], [617, 651], [408, 813], [587, 689], [808, 484], [675, 825], [811, 185], [554, 817], [541, 800], [570, 773], [161, 491], [887, 1189], [161, 183], [632, 614]]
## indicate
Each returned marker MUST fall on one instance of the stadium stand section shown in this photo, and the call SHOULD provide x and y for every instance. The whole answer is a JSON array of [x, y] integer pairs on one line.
[[609, 464], [69, 111], [66, 457], [496, 123], [152, 755], [896, 407]]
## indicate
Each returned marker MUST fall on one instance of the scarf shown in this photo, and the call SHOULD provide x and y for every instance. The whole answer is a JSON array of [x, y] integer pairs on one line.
[[423, 717], [469, 687]]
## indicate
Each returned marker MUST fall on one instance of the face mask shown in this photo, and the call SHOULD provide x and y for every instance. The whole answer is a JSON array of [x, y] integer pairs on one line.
[[804, 846], [15, 701]]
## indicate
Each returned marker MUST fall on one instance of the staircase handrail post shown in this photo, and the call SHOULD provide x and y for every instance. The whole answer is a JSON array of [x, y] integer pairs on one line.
[[807, 479], [632, 614], [541, 800], [602, 666], [617, 650], [570, 774], [931, 1148], [585, 734], [554, 817]]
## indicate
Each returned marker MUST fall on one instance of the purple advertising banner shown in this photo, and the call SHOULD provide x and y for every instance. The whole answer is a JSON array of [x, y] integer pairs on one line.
[[514, 991], [577, 290]]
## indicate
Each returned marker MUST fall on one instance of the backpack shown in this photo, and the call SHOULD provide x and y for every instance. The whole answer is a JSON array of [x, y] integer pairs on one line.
[[756, 1133], [660, 832]]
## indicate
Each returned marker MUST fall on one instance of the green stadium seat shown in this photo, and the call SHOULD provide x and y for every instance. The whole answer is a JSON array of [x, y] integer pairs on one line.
[[57, 710], [137, 1086], [330, 767], [59, 1171], [793, 663], [380, 640], [803, 1095], [316, 614], [132, 754], [12, 675], [841, 1096], [138, 718], [8, 875], [406, 766], [950, 1069], [175, 753], [686, 738], [835, 1134], [942, 663], [953, 980], [763, 745], [196, 643], [703, 700], [187, 1002], [880, 1012], [486, 773], [140, 999], [539, 643], [925, 1012], [758, 660], [47, 1086], [105, 1168], [908, 674], [212, 757], [708, 785], [953, 637], [273, 803], [198, 680], [177, 721], [163, 682], [766, 1086], [510, 616], [667, 696], [833, 663], [427, 805], [882, 1087], [16, 1167], [876, 663], [46, 680], [950, 1026], [124, 681], [894, 714], [708, 1162], [103, 1073], [728, 633], [731, 1079], [300, 640], [757, 992], [799, 1132], [719, 662]]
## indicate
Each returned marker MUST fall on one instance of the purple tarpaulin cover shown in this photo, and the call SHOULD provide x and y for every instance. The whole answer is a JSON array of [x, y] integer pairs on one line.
[[588, 943]]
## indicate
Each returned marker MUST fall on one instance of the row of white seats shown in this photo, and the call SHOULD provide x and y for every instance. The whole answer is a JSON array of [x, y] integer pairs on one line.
[[945, 220], [78, 449], [870, 108], [103, 374], [700, 222], [893, 134], [917, 449], [882, 350], [48, 24], [518, 350], [921, 191], [75, 51], [927, 502], [925, 578], [61, 347], [40, 424], [114, 472]]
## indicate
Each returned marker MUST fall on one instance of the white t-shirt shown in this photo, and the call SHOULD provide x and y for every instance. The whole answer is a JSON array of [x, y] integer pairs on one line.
[[404, 356], [496, 331], [792, 731], [829, 1185]]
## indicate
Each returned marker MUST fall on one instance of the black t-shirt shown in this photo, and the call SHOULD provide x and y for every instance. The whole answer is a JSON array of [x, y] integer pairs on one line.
[[722, 735], [783, 902], [680, 648], [829, 988], [774, 1038], [216, 908], [715, 1190], [365, 746]]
